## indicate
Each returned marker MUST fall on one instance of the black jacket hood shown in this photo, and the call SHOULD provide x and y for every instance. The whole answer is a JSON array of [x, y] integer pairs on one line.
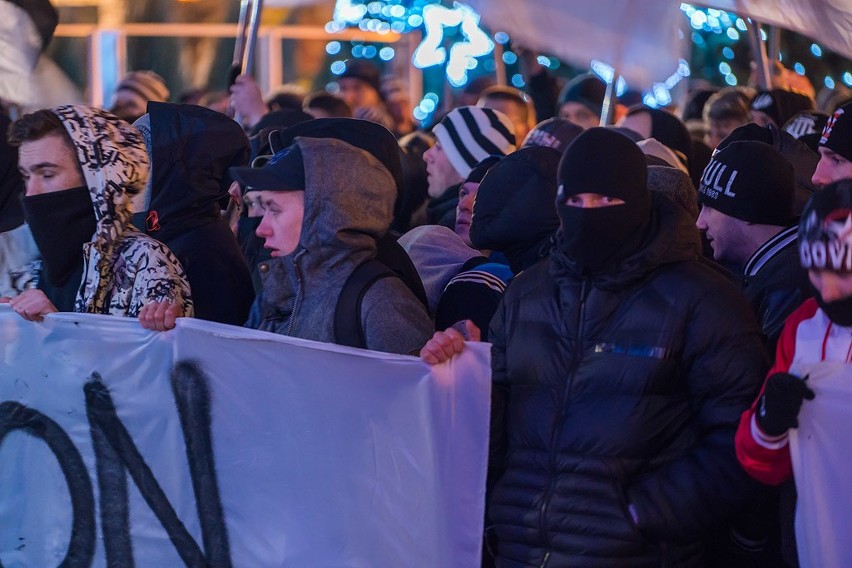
[[191, 151]]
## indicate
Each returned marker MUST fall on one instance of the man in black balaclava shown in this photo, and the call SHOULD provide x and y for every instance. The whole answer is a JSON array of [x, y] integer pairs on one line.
[[624, 362]]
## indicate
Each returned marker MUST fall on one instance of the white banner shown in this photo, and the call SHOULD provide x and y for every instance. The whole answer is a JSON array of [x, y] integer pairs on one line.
[[218, 446], [821, 452]]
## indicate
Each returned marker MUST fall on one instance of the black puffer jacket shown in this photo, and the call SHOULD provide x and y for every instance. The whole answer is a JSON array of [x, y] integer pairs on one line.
[[623, 390]]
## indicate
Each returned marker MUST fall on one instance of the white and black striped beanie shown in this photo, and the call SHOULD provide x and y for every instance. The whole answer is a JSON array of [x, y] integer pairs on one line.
[[470, 134]]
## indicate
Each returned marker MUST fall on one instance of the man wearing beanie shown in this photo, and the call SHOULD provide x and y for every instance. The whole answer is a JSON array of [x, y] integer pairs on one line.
[[746, 196], [133, 93], [581, 100], [777, 106], [465, 136], [835, 148], [792, 429], [625, 362], [326, 203]]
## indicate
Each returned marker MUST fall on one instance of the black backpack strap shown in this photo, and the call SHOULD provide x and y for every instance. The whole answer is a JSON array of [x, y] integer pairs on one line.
[[391, 254], [347, 314]]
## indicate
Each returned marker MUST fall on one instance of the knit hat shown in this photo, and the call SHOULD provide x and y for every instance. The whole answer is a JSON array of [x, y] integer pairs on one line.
[[837, 134], [605, 162], [825, 231], [676, 185], [588, 89], [470, 134], [781, 105], [554, 133], [365, 71], [805, 123], [146, 84], [750, 181], [482, 168], [803, 159]]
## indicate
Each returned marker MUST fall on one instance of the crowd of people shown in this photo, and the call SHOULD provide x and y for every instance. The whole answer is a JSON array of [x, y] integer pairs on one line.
[[649, 287]]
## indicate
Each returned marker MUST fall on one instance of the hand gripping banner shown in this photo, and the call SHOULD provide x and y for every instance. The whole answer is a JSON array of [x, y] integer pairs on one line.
[[212, 445]]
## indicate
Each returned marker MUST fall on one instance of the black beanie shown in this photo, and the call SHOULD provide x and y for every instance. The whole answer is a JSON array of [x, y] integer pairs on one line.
[[363, 71], [554, 133], [588, 89], [837, 134], [479, 170], [750, 181], [596, 240], [514, 211], [781, 105], [606, 162], [825, 239]]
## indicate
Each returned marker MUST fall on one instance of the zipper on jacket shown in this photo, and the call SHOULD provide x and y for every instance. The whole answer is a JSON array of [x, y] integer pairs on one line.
[[297, 301], [578, 351]]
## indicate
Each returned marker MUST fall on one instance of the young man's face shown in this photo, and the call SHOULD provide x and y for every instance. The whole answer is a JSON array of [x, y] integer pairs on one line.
[[281, 225], [831, 167], [832, 286], [49, 165], [440, 173], [579, 115], [358, 93], [725, 234], [464, 210]]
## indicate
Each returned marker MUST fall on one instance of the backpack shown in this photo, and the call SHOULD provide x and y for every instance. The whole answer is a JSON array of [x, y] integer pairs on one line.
[[391, 262]]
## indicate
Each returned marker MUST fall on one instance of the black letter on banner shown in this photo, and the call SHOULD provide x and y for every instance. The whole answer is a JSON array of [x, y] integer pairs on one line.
[[112, 484], [192, 396], [16, 416], [121, 450]]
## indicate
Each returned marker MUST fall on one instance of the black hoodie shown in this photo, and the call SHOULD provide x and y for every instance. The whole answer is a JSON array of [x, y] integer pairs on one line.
[[192, 148]]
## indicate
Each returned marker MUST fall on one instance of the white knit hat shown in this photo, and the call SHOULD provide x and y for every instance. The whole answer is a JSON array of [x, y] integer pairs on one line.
[[470, 134]]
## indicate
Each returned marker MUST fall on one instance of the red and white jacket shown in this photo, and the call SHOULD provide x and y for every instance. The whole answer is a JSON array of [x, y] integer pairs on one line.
[[809, 337]]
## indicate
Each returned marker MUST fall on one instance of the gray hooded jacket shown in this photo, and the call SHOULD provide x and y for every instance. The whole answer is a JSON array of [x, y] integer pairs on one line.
[[349, 198]]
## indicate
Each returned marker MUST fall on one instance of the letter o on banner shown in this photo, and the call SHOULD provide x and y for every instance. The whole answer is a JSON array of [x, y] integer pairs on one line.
[[16, 416]]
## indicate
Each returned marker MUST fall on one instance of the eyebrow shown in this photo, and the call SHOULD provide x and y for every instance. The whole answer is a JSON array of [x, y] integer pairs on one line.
[[41, 166]]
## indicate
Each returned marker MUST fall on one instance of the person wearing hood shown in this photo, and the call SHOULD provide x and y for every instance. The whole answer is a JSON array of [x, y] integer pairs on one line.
[[326, 204], [625, 363], [661, 125], [777, 106], [81, 165], [18, 251], [191, 149]]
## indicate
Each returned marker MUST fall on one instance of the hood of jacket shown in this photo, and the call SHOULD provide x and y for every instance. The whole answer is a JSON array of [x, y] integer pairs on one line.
[[112, 156], [671, 237], [191, 149], [349, 199], [514, 211]]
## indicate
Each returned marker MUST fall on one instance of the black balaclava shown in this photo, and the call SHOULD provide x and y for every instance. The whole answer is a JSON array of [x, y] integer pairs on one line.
[[825, 242], [61, 223], [607, 163]]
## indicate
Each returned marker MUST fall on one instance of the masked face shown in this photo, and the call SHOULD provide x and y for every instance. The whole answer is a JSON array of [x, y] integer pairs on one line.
[[834, 294]]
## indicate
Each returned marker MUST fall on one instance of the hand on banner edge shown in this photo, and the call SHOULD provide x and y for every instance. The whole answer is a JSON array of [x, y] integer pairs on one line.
[[445, 345], [159, 316]]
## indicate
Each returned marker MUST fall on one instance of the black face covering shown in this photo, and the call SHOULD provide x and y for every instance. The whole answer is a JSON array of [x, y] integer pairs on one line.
[[838, 311], [597, 239], [61, 223]]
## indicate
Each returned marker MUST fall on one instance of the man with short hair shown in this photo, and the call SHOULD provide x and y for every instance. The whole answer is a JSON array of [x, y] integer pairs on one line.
[[746, 195], [465, 136], [835, 148], [514, 104], [326, 204], [81, 166]]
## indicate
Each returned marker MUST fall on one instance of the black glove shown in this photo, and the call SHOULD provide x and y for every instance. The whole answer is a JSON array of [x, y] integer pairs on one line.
[[779, 406]]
